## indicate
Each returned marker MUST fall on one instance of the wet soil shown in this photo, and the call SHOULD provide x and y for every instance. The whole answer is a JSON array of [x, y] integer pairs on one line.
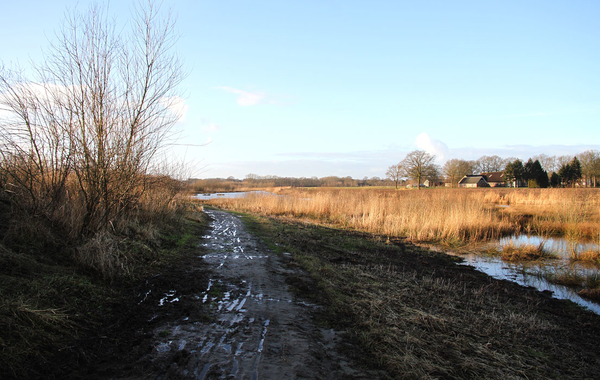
[[224, 311]]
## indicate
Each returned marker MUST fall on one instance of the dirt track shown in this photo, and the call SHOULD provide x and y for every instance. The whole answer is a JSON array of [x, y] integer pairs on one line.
[[258, 329]]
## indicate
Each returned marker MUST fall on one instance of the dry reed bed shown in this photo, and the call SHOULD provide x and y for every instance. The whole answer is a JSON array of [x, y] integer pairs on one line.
[[432, 216], [440, 215], [573, 213]]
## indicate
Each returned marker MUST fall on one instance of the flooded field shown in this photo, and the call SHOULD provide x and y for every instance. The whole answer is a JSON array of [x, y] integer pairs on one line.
[[559, 246], [527, 274], [228, 195], [533, 273]]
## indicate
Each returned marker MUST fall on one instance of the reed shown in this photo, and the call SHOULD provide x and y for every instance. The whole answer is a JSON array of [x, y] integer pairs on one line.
[[525, 252], [452, 216], [592, 287], [567, 277], [592, 256], [427, 216], [566, 212]]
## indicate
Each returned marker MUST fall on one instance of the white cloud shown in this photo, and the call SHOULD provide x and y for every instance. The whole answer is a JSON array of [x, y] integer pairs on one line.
[[208, 126], [432, 146], [177, 106], [245, 98]]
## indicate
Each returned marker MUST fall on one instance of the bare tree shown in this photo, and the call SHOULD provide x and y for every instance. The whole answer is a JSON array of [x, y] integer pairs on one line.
[[420, 165], [395, 173], [590, 166], [97, 113], [562, 161], [489, 164], [455, 169]]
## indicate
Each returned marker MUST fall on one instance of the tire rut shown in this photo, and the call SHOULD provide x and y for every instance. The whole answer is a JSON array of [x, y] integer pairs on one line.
[[260, 330]]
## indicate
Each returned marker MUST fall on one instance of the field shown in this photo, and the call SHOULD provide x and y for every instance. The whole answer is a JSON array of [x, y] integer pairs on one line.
[[448, 216], [460, 219], [418, 316], [414, 312]]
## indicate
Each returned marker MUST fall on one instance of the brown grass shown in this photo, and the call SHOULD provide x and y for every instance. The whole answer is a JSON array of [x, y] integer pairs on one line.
[[526, 252], [593, 294], [440, 215], [420, 317], [591, 256], [553, 211]]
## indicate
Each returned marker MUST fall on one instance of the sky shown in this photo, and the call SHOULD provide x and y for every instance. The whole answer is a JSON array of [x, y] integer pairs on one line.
[[348, 88]]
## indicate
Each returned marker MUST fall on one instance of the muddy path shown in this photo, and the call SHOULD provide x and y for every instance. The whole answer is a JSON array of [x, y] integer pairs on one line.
[[251, 327]]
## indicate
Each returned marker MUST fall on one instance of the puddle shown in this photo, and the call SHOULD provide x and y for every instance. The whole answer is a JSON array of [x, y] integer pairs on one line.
[[521, 273], [232, 195], [253, 315], [529, 273], [559, 246]]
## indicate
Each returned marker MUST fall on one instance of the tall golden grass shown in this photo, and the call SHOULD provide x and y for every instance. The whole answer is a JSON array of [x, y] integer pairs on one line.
[[437, 215], [573, 213], [443, 215]]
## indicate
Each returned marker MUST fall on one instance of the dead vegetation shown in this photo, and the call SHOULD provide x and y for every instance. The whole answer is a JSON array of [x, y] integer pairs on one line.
[[525, 252], [450, 216], [419, 316], [84, 198]]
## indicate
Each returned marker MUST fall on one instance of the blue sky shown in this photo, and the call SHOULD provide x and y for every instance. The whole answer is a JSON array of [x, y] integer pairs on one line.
[[347, 88]]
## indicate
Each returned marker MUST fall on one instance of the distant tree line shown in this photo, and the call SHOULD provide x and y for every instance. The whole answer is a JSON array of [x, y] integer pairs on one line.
[[419, 166], [538, 171], [255, 181]]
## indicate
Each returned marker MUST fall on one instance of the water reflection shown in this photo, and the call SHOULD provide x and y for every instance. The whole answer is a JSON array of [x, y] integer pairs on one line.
[[524, 274], [229, 195], [560, 246]]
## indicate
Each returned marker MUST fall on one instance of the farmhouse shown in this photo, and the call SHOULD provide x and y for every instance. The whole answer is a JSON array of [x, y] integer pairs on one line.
[[473, 181], [429, 183], [495, 179]]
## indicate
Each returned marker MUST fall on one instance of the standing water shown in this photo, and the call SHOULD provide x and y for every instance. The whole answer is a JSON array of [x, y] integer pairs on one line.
[[530, 273], [524, 274]]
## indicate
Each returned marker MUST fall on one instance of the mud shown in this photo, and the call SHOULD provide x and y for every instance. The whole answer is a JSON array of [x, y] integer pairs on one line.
[[250, 325]]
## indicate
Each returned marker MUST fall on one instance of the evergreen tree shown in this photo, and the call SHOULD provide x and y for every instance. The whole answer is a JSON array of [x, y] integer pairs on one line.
[[564, 173], [514, 172], [570, 173], [575, 171], [534, 174], [528, 174], [541, 176], [554, 180]]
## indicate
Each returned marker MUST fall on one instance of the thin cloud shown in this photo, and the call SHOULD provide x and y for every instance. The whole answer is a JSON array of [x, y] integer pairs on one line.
[[532, 114], [208, 126], [177, 106], [245, 98]]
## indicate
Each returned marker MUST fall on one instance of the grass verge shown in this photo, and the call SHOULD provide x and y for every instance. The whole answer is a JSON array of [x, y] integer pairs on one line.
[[50, 307], [419, 316]]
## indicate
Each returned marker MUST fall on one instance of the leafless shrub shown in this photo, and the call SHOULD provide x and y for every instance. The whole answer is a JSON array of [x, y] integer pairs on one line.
[[81, 137], [79, 140]]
